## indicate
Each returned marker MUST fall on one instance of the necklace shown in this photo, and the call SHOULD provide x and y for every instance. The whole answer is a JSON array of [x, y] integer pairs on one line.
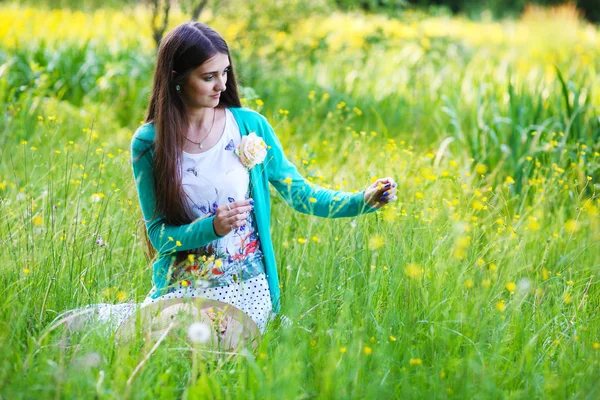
[[207, 135]]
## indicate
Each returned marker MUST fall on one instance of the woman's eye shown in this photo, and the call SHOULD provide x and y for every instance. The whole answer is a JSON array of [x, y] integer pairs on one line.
[[209, 78]]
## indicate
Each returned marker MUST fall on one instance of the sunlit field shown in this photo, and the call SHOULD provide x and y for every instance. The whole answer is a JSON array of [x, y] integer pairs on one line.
[[481, 281]]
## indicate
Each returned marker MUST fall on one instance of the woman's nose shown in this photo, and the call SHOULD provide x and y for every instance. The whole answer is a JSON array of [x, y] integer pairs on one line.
[[220, 85]]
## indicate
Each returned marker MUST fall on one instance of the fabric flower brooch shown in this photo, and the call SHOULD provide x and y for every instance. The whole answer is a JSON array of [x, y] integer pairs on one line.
[[252, 150]]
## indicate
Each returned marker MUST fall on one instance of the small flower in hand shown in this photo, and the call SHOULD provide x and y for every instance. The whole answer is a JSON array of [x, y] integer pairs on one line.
[[381, 192], [252, 150]]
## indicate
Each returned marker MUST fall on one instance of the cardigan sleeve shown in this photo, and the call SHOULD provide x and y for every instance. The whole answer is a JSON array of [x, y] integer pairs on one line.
[[164, 237], [302, 195]]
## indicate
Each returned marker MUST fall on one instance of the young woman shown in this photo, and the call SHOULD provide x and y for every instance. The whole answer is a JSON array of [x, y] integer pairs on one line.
[[202, 166]]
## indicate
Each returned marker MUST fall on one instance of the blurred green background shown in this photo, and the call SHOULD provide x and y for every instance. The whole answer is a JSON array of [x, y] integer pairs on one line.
[[482, 281], [590, 9]]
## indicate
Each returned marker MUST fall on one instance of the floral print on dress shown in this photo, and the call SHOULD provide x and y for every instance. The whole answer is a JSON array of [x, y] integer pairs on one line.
[[230, 145], [235, 257], [206, 209]]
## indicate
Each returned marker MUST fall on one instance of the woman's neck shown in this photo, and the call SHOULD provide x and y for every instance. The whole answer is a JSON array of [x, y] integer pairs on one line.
[[200, 119]]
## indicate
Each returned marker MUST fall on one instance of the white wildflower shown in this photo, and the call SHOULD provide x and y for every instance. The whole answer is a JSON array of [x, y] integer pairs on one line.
[[198, 332]]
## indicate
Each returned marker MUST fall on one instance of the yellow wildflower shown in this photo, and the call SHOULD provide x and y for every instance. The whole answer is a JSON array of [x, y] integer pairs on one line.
[[501, 305], [572, 226], [413, 270], [481, 168], [533, 224], [376, 242]]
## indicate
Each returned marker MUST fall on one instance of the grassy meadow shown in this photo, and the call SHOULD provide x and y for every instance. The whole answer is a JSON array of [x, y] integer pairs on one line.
[[481, 281]]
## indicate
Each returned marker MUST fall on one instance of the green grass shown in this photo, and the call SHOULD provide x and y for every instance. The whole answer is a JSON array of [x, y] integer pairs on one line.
[[482, 281]]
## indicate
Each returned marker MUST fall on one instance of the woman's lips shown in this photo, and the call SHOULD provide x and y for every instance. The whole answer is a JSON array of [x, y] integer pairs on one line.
[[216, 96]]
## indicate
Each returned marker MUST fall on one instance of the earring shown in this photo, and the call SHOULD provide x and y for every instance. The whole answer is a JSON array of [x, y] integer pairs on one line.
[[178, 88]]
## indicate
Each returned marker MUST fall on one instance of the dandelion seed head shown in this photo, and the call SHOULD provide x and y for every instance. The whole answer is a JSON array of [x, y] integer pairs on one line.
[[198, 332], [523, 286]]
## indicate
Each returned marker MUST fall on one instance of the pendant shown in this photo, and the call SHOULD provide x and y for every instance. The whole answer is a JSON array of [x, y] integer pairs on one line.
[[201, 146]]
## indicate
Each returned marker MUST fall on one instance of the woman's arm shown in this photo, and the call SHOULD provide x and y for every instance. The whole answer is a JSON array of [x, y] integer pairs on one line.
[[165, 238], [301, 195]]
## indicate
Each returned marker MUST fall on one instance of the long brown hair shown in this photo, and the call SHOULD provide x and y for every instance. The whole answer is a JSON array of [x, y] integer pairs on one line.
[[183, 49]]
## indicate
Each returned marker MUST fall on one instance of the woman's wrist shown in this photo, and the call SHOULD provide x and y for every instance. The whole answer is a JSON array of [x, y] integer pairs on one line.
[[215, 229]]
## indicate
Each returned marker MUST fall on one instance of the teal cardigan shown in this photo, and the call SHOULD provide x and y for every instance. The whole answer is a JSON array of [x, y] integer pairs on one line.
[[276, 169]]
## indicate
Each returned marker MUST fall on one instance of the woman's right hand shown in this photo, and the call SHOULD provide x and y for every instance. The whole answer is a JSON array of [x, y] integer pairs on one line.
[[232, 216]]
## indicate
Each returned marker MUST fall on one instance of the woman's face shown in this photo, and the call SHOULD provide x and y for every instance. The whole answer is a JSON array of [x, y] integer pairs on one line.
[[206, 82]]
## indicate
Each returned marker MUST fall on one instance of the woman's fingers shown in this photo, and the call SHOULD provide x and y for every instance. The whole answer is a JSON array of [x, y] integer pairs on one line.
[[388, 195], [238, 207], [379, 184], [241, 203], [238, 217], [232, 215], [238, 224], [382, 191], [384, 184]]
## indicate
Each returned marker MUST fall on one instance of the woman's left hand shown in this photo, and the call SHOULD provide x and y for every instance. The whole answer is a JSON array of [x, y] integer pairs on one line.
[[381, 192]]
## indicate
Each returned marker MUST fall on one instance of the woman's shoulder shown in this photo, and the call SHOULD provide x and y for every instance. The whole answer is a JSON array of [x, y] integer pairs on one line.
[[143, 138], [248, 115], [145, 132]]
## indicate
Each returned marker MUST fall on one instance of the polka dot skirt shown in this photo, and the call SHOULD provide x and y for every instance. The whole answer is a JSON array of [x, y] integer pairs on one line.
[[251, 296]]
